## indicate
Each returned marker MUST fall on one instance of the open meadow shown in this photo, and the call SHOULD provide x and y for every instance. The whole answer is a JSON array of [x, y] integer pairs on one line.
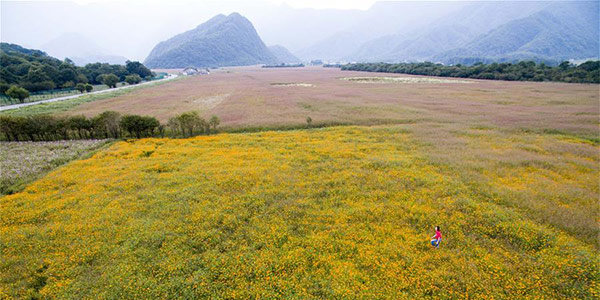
[[508, 170], [251, 96]]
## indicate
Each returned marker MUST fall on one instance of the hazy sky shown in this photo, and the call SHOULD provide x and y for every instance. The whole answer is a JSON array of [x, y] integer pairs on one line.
[[318, 4], [132, 28]]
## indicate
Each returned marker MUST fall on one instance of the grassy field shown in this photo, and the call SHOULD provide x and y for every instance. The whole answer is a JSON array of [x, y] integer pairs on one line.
[[67, 105], [22, 162], [342, 212], [254, 97], [509, 170]]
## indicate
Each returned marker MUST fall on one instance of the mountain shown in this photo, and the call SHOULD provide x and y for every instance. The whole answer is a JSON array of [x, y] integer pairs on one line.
[[561, 31], [283, 55], [382, 19], [445, 33], [80, 50], [221, 41]]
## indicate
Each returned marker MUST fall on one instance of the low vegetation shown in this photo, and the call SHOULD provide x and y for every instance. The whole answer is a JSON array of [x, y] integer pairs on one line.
[[337, 213], [284, 65], [402, 80], [109, 124], [588, 72], [22, 162]]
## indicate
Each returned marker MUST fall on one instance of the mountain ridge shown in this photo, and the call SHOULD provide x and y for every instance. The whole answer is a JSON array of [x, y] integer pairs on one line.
[[221, 41]]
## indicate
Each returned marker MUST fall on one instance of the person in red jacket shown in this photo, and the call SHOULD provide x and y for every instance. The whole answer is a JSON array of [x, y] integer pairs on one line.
[[437, 238]]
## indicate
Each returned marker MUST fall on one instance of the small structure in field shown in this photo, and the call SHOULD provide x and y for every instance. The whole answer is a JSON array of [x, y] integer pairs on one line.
[[194, 71]]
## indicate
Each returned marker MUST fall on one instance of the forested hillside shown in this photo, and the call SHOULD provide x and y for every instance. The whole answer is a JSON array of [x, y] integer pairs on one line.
[[34, 70], [221, 41]]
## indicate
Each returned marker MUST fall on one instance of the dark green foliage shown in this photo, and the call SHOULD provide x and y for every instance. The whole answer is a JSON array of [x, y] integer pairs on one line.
[[221, 41], [588, 72], [80, 87], [17, 93], [139, 125], [88, 87], [137, 68], [109, 79], [190, 124], [35, 71], [133, 79], [108, 124]]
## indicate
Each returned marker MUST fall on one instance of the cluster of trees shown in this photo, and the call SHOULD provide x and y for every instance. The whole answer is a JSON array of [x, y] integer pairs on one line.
[[588, 72], [109, 124], [34, 71], [190, 124]]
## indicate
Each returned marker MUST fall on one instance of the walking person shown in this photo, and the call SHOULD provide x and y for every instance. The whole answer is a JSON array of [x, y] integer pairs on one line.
[[437, 238]]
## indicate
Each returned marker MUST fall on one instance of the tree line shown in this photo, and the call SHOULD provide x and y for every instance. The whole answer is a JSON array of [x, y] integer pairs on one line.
[[34, 70], [109, 124], [588, 72]]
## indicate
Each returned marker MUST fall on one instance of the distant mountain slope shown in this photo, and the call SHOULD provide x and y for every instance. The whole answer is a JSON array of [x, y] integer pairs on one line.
[[80, 49], [221, 41], [101, 58], [567, 30], [283, 55], [382, 19], [446, 33]]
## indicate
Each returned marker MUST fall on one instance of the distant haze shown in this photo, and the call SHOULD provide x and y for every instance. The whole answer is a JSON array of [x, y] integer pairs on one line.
[[386, 31]]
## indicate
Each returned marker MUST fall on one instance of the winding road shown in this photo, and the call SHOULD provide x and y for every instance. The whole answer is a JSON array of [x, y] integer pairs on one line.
[[16, 106]]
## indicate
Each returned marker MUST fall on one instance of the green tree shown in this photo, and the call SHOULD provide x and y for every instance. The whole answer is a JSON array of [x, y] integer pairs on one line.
[[80, 87], [139, 125], [110, 79], [190, 121], [17, 92], [79, 124], [133, 79], [109, 122], [137, 68], [214, 122], [88, 87]]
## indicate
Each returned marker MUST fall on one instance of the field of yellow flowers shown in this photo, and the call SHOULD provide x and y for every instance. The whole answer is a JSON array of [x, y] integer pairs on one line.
[[335, 213]]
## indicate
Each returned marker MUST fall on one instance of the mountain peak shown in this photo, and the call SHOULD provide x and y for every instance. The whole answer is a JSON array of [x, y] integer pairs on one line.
[[221, 41]]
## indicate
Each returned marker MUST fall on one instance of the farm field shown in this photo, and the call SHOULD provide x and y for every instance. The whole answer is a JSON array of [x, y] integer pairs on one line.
[[256, 97], [340, 212], [509, 170]]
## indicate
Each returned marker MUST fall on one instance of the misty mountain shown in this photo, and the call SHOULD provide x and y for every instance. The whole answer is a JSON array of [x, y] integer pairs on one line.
[[283, 55], [221, 41], [383, 18], [561, 31], [445, 33], [80, 50]]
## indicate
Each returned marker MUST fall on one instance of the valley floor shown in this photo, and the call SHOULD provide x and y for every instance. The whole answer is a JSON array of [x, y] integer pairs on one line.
[[508, 170], [340, 212]]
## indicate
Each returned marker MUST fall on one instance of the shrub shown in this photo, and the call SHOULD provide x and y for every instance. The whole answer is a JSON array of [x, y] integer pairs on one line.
[[133, 79], [17, 92]]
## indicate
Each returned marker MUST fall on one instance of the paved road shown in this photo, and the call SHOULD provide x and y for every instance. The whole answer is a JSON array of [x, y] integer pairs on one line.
[[15, 106]]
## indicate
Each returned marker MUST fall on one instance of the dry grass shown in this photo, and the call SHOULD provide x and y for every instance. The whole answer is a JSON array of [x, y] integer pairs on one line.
[[403, 80], [253, 100]]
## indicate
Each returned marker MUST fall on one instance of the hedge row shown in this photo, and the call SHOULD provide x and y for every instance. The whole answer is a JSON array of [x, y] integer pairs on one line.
[[108, 124]]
